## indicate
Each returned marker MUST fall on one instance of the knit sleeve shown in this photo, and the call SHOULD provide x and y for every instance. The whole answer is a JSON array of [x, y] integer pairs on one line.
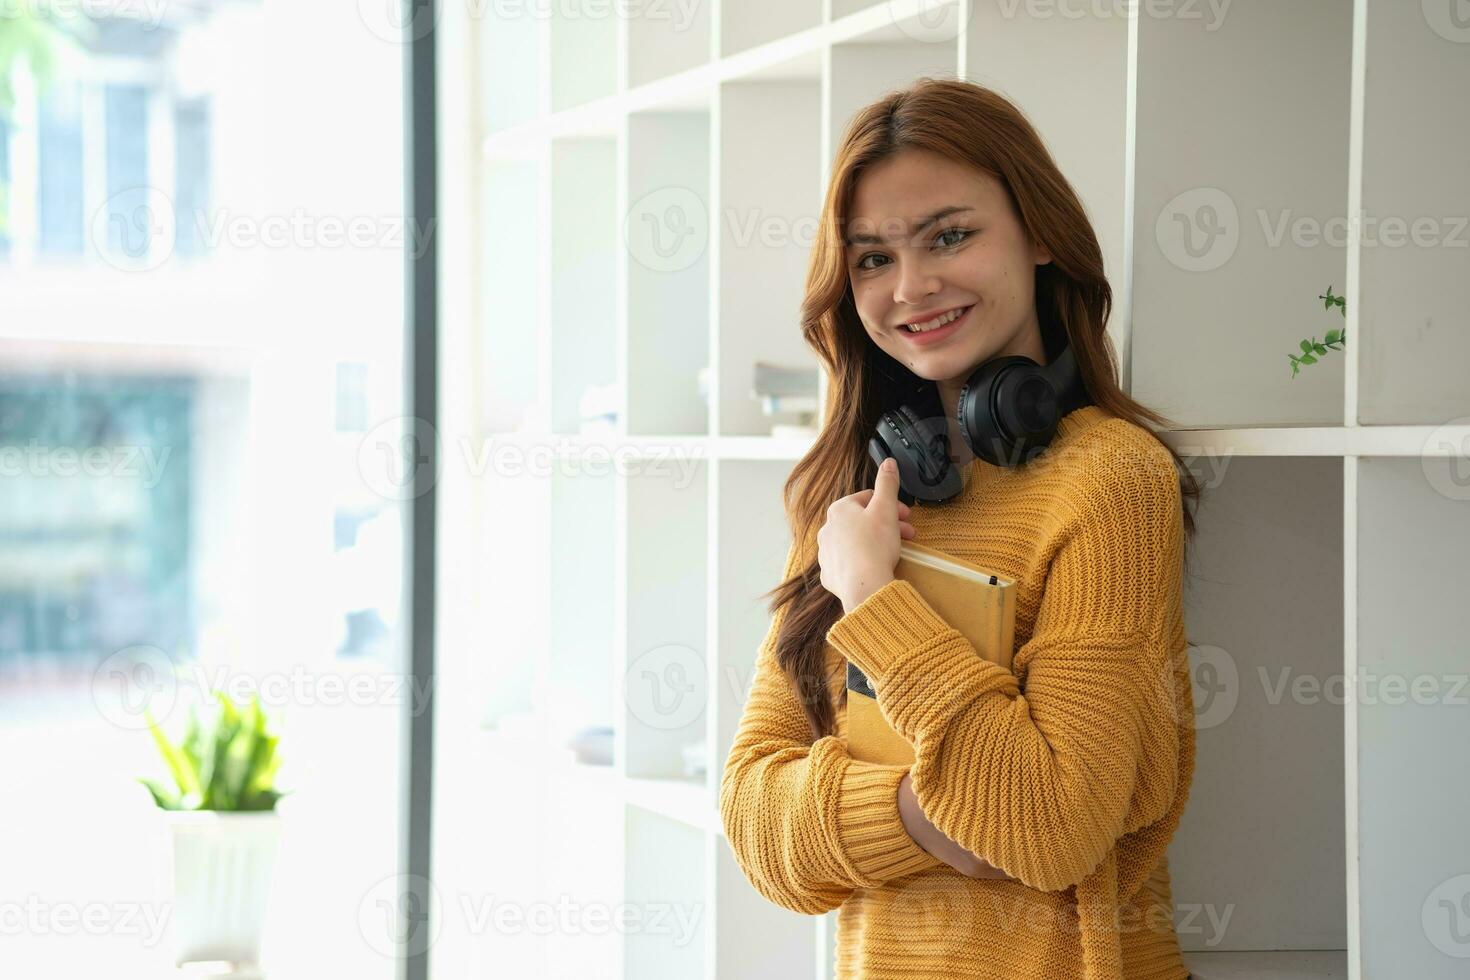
[[1039, 769], [807, 823]]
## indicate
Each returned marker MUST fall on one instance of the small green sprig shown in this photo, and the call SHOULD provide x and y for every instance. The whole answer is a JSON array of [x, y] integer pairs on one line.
[[1333, 340]]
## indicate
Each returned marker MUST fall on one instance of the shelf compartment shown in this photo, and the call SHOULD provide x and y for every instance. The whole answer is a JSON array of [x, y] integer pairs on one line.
[[514, 314], [753, 23], [1234, 171], [511, 69], [664, 886], [769, 191], [1264, 619], [664, 247], [508, 671], [1412, 290], [1413, 532], [583, 53], [787, 940], [1069, 76], [574, 692], [664, 678], [583, 277], [750, 524], [864, 69], [664, 40]]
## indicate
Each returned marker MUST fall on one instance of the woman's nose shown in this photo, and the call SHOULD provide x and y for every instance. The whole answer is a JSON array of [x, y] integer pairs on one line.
[[914, 283]]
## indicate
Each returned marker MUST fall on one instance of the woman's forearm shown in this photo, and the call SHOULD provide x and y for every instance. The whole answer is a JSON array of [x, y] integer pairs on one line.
[[931, 839]]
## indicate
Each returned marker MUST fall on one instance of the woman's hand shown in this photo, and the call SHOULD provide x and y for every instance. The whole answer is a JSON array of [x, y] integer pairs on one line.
[[931, 839], [857, 547]]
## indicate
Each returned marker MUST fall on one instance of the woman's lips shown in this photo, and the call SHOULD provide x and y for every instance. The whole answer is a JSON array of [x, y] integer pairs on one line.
[[934, 336]]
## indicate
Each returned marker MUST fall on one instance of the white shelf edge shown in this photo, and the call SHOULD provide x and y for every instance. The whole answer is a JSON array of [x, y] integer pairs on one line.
[[1355, 440], [695, 85], [684, 800], [1285, 964], [1359, 440]]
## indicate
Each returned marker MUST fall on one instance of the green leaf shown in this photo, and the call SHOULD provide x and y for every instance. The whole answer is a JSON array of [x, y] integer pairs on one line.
[[180, 766], [230, 714], [1332, 336], [1308, 359], [1306, 347], [1319, 348], [161, 796]]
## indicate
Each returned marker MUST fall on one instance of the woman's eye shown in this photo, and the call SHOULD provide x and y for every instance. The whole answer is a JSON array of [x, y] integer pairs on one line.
[[939, 239]]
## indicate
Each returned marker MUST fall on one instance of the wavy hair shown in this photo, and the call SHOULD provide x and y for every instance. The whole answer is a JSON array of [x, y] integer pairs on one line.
[[973, 125]]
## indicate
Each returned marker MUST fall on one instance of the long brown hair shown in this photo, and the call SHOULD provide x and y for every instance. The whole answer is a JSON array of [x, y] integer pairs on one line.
[[976, 126]]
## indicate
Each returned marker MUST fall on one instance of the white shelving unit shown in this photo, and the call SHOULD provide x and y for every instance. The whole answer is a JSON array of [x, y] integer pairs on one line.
[[636, 191]]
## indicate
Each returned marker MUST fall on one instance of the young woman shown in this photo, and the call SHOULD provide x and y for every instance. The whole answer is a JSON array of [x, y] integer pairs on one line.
[[1028, 838]]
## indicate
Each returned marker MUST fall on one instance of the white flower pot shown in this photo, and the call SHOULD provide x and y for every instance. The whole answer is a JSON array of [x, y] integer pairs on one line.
[[222, 875]]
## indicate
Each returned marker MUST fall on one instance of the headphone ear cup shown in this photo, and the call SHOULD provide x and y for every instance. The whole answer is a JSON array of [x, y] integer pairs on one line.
[[1007, 411], [933, 437]]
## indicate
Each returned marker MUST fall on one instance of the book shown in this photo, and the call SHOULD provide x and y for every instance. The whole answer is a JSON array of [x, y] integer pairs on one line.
[[974, 600]]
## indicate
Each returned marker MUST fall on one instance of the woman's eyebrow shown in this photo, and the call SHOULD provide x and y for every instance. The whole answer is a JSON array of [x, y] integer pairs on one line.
[[944, 212]]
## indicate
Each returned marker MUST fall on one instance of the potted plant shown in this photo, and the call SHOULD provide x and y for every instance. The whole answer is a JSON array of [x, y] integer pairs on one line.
[[221, 809]]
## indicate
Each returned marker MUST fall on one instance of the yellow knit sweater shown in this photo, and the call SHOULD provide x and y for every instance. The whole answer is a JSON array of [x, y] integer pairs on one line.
[[1069, 771]]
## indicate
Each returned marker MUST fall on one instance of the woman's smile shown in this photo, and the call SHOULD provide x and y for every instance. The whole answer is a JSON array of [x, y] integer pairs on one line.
[[937, 334]]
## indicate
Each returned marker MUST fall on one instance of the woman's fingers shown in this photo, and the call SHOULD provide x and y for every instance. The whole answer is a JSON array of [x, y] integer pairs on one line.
[[863, 497], [906, 531]]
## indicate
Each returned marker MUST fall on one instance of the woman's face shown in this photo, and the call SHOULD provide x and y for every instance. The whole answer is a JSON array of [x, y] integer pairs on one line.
[[974, 257]]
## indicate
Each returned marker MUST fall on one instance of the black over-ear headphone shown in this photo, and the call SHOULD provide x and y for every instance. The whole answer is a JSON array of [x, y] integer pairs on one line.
[[1007, 413]]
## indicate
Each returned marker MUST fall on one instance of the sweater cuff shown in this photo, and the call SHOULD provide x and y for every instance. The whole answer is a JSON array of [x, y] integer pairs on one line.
[[869, 829], [922, 669], [888, 623]]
